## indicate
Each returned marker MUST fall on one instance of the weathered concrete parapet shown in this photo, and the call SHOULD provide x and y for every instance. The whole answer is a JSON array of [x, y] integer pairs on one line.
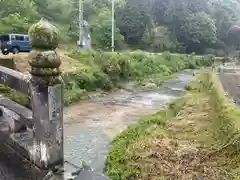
[[46, 90]]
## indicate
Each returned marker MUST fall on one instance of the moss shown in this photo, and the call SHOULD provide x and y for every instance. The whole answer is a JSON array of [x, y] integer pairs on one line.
[[44, 59], [44, 35], [45, 71]]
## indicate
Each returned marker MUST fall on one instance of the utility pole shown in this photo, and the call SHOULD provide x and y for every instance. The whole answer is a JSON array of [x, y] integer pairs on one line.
[[80, 19], [113, 12]]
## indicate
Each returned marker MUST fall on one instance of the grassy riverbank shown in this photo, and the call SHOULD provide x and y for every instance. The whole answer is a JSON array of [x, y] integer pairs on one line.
[[106, 71], [197, 137], [100, 71]]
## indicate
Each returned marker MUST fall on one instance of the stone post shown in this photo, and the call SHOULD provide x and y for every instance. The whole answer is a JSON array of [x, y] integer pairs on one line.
[[46, 88]]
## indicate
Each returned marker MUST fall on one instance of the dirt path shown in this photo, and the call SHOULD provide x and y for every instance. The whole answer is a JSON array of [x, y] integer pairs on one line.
[[91, 125]]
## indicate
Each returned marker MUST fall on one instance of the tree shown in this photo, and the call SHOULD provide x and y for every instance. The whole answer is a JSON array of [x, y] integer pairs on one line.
[[57, 11], [101, 25], [234, 36], [226, 14], [137, 20], [14, 22], [156, 38], [132, 19], [174, 13], [198, 31]]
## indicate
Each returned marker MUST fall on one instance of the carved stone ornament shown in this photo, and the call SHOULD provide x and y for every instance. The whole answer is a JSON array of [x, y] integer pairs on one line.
[[44, 60]]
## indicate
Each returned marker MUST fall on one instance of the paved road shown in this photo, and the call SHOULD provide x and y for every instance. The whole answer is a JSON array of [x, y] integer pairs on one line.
[[230, 79]]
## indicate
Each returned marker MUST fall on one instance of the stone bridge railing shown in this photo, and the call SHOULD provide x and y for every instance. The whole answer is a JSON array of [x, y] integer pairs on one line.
[[37, 133]]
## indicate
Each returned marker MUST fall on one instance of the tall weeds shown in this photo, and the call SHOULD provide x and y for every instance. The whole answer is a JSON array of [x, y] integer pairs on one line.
[[106, 70]]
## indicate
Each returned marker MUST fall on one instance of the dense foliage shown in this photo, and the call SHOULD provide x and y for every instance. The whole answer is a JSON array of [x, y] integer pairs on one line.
[[199, 30], [105, 71], [143, 24]]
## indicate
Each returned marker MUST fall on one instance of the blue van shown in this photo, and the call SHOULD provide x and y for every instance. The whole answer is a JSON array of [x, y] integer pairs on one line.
[[14, 43]]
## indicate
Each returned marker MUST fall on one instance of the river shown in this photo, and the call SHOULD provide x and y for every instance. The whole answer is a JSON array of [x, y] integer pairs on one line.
[[91, 125]]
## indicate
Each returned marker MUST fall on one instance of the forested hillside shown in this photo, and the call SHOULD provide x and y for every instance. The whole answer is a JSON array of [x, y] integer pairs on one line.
[[156, 25]]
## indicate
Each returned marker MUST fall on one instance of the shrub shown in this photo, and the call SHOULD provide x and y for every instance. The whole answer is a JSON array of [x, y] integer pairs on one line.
[[167, 55], [105, 70]]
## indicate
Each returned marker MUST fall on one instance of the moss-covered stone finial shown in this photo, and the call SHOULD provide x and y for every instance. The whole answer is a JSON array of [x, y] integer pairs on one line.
[[43, 35], [44, 60]]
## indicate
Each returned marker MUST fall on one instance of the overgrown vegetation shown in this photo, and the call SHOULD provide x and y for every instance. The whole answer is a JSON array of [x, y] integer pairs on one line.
[[15, 96], [106, 71], [226, 129], [176, 26], [196, 138]]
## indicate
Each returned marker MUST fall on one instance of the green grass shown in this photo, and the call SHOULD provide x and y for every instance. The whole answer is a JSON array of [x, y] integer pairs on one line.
[[117, 161], [203, 118], [106, 70], [109, 70], [15, 96], [227, 126]]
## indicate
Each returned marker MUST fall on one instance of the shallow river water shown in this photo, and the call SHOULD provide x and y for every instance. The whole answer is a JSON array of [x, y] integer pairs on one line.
[[91, 125]]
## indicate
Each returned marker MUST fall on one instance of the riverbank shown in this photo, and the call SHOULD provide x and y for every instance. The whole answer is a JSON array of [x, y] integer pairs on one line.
[[90, 125], [105, 71], [196, 138]]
